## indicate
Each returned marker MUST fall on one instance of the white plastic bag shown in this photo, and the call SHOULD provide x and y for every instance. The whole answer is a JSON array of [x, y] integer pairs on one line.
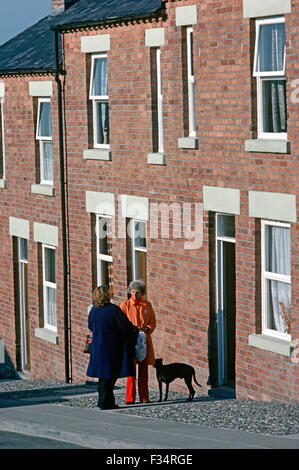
[[140, 347]]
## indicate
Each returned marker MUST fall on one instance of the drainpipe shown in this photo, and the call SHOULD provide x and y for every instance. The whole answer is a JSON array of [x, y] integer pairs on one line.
[[59, 72]]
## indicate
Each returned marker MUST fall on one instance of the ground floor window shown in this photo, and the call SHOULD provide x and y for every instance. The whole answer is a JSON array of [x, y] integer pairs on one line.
[[49, 286], [104, 251], [136, 252], [276, 279]]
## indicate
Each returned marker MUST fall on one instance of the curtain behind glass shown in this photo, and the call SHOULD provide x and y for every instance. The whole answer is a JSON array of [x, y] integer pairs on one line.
[[102, 122], [45, 127], [47, 161], [100, 82], [279, 261], [271, 48], [274, 106], [51, 306]]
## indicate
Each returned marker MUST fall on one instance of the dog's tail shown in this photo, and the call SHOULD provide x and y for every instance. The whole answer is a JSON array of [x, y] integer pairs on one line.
[[194, 378]]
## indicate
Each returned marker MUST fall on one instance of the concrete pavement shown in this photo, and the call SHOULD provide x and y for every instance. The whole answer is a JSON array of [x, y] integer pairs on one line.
[[112, 429]]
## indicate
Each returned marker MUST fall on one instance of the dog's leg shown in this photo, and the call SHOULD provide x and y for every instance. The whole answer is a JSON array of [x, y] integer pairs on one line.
[[188, 382], [160, 390], [166, 393]]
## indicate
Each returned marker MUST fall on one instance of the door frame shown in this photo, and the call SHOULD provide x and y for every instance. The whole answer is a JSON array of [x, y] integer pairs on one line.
[[220, 314], [23, 309]]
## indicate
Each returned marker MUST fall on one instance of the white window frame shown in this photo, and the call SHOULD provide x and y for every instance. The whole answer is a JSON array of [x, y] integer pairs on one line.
[[2, 149], [41, 140], [97, 99], [45, 285], [263, 76], [100, 256], [191, 103], [159, 102], [266, 275]]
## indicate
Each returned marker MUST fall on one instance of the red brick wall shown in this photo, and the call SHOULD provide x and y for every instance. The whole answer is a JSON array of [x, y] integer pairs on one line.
[[180, 282], [18, 201]]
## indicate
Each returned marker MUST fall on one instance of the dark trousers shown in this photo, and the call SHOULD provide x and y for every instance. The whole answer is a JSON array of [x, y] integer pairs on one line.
[[106, 396]]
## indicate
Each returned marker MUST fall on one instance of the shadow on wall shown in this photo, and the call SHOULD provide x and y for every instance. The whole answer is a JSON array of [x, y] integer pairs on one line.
[[7, 369]]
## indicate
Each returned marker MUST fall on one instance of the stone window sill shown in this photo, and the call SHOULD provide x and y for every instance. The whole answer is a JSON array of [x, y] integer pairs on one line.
[[97, 154], [267, 145], [44, 189], [156, 158], [2, 183], [269, 343], [188, 143], [47, 335]]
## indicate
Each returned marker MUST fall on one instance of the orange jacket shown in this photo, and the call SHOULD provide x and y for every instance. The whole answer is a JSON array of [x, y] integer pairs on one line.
[[142, 315]]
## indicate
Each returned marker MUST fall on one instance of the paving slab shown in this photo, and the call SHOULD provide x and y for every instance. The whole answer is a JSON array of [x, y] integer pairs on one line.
[[112, 429]]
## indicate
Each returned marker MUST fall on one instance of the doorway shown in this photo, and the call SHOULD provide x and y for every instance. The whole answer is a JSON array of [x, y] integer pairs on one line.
[[226, 298], [23, 318]]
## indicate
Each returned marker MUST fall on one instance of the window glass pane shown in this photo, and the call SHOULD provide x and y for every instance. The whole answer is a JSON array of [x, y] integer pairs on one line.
[[44, 128], [271, 44], [225, 225], [191, 53], [102, 124], [105, 236], [100, 77], [23, 249], [51, 306], [278, 253], [106, 274], [274, 106], [47, 155], [278, 297], [139, 234], [140, 265], [50, 265]]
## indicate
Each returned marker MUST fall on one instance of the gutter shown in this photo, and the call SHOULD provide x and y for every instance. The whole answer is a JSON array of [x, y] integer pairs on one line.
[[110, 20], [58, 72], [31, 71]]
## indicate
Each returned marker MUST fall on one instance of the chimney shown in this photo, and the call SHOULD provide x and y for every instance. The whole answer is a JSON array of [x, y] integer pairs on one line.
[[60, 5]]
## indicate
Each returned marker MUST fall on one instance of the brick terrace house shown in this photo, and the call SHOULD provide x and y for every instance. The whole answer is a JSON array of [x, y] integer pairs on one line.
[[155, 140]]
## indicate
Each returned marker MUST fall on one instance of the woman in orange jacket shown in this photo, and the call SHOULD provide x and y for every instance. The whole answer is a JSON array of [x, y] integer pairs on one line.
[[140, 312]]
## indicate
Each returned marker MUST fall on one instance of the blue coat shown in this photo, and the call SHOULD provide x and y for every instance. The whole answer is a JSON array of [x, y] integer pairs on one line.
[[113, 343]]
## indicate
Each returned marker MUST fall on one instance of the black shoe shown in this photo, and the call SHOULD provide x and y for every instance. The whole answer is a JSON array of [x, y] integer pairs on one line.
[[113, 407]]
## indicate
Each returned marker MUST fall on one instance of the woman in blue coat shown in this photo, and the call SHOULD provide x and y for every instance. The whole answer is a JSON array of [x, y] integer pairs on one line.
[[113, 345]]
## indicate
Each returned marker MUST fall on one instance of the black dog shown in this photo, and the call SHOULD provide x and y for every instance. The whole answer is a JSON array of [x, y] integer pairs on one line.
[[173, 371]]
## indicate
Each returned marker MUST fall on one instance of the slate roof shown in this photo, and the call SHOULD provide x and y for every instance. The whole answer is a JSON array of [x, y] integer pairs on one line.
[[33, 50], [88, 12]]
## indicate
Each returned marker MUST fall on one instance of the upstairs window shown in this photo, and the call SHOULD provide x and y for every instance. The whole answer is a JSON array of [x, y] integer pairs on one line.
[[100, 100], [44, 136], [276, 279], [2, 156], [190, 72], [158, 134], [269, 68]]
